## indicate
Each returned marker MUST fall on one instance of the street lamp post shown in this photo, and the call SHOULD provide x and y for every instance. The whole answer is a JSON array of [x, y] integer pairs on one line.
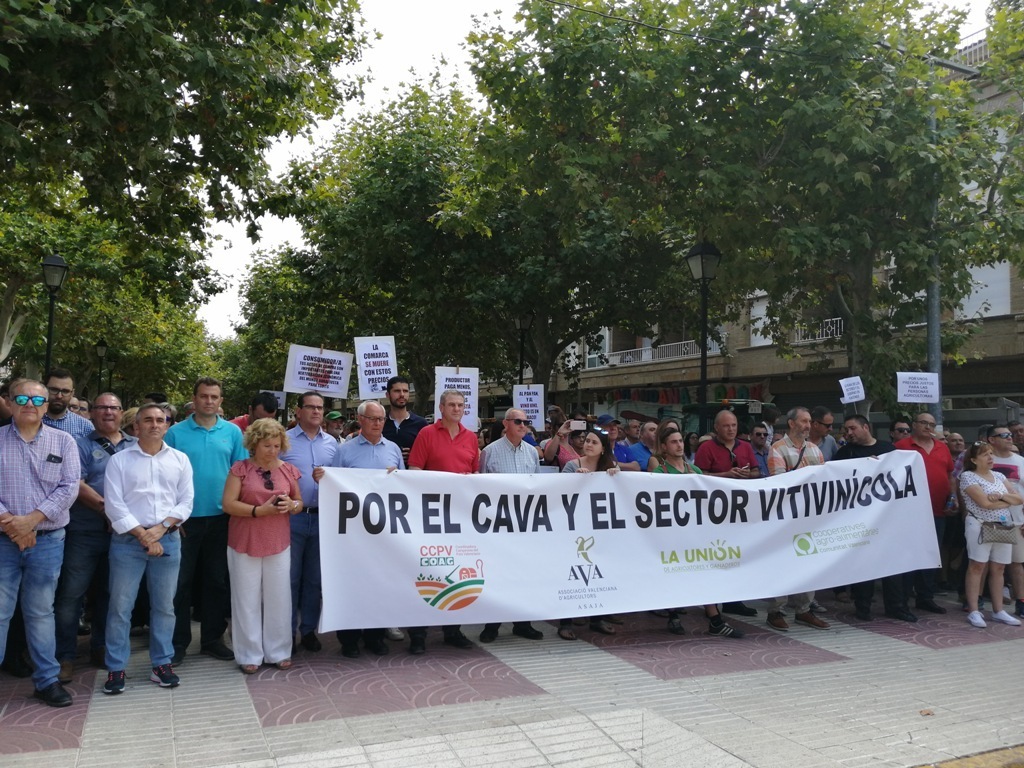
[[101, 353], [703, 261], [55, 269], [523, 324]]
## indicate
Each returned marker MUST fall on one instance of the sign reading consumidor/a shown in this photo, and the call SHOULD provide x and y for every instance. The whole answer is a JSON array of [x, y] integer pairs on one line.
[[433, 548], [312, 369]]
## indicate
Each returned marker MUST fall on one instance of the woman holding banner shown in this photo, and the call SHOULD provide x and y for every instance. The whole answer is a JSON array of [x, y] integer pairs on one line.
[[671, 460], [988, 497], [597, 456], [260, 495]]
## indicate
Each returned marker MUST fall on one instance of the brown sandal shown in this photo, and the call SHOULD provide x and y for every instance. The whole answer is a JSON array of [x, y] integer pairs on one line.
[[249, 669], [566, 633], [286, 664]]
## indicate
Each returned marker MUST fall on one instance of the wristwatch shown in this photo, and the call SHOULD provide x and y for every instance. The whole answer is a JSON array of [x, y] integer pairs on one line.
[[166, 525]]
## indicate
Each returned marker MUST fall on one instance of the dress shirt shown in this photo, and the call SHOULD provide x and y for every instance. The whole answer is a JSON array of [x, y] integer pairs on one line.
[[42, 474], [503, 457], [308, 453], [72, 423], [360, 453], [145, 490]]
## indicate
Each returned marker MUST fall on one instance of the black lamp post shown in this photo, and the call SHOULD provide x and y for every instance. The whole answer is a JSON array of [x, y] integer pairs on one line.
[[523, 324], [703, 261], [55, 269], [101, 353]]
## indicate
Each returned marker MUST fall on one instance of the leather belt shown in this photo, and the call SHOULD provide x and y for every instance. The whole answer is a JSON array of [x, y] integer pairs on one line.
[[311, 510]]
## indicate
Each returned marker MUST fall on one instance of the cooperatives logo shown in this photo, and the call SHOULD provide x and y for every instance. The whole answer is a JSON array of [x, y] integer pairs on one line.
[[803, 544]]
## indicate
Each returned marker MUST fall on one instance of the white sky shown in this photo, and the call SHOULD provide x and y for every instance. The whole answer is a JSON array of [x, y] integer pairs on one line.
[[415, 34]]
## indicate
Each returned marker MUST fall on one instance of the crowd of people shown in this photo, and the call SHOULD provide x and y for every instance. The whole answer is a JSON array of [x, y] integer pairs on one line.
[[116, 520]]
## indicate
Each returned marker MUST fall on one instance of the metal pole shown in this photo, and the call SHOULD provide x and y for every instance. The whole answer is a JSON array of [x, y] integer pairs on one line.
[[933, 295], [49, 337], [702, 392]]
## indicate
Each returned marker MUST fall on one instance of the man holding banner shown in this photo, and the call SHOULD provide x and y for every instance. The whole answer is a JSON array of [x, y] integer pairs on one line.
[[367, 450], [445, 446], [511, 454]]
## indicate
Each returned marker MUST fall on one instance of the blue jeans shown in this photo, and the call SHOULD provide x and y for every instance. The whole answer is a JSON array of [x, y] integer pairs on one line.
[[306, 570], [34, 572], [85, 558], [128, 564]]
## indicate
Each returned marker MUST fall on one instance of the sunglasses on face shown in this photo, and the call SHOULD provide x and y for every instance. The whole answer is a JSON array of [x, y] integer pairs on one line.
[[904, 430], [36, 400], [1004, 435], [521, 422]]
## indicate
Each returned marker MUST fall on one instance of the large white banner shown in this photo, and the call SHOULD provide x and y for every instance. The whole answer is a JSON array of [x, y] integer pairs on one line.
[[417, 548]]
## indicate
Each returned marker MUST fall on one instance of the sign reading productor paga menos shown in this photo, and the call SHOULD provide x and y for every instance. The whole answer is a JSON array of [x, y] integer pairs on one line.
[[432, 548]]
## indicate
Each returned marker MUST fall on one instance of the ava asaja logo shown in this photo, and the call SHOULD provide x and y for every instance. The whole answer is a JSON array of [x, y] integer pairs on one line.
[[589, 570]]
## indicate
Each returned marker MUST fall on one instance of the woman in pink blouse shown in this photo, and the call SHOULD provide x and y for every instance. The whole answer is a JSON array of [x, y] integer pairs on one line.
[[260, 495]]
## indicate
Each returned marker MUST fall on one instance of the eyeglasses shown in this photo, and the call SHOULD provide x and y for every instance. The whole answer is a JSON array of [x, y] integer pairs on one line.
[[106, 407], [521, 422], [828, 424], [374, 419], [36, 400], [313, 407], [904, 430], [760, 434], [929, 424], [268, 481], [1004, 435], [56, 392]]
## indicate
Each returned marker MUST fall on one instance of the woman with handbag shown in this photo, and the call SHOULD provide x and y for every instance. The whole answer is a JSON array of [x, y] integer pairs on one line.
[[990, 533]]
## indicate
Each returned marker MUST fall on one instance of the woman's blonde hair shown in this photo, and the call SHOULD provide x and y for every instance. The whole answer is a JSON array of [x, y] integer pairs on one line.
[[264, 429]]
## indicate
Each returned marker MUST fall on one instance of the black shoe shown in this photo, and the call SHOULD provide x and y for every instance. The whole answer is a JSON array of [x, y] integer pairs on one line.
[[311, 642], [377, 647], [84, 628], [675, 626], [527, 631], [901, 615], [930, 605], [54, 695], [218, 650], [489, 635], [417, 645], [864, 614], [178, 658], [724, 630], [457, 640], [350, 651], [738, 609]]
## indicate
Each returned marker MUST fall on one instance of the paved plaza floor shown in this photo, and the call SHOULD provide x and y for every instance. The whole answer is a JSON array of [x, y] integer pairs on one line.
[[884, 693]]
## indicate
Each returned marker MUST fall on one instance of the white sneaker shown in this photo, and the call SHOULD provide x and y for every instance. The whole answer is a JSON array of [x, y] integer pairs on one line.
[[394, 633], [975, 619], [1006, 618]]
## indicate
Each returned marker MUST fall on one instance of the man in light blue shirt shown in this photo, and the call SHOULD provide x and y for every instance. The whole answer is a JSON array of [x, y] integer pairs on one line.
[[367, 450], [212, 446], [311, 448]]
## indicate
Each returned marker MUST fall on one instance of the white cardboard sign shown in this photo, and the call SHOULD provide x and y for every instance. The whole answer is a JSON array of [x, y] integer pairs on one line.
[[853, 390], [464, 380], [529, 398], [917, 387], [311, 369], [377, 362]]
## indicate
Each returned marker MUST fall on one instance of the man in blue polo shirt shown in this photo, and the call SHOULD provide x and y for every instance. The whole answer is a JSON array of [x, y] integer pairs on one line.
[[212, 446]]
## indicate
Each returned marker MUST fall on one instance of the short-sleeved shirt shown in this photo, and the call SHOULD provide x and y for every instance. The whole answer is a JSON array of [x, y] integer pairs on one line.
[[855, 451], [437, 450], [359, 453], [714, 458], [785, 456], [1012, 468], [269, 534], [642, 454], [967, 479], [93, 456], [828, 448], [503, 457], [212, 452], [404, 434], [938, 466]]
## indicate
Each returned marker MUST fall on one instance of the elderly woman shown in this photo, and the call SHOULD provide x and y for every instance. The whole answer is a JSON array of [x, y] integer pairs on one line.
[[988, 497], [260, 494]]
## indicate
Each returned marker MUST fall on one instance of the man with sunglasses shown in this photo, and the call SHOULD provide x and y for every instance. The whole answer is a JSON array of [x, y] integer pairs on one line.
[[39, 472], [759, 442], [1011, 466], [60, 387], [898, 429], [938, 466]]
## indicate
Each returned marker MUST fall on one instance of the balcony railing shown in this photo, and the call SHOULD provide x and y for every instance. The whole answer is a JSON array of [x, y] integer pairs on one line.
[[677, 350], [831, 328]]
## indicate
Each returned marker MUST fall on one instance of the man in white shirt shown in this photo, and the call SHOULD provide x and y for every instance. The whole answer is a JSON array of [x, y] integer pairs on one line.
[[148, 496]]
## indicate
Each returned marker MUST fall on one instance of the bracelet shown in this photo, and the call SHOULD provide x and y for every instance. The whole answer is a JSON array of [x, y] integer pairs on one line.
[[254, 510]]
